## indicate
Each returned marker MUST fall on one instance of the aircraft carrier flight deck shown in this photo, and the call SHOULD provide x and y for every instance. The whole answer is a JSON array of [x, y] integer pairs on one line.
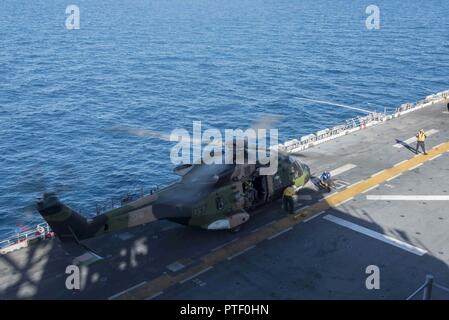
[[389, 209]]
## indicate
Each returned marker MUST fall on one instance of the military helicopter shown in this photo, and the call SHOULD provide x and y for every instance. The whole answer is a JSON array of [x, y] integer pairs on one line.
[[212, 197]]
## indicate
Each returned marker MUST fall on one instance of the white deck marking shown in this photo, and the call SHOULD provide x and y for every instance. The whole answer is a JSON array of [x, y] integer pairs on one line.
[[126, 290], [377, 173], [195, 275], [154, 295], [175, 266], [279, 233], [314, 216], [435, 157], [407, 198], [241, 252], [343, 202], [267, 224], [125, 236], [301, 208], [399, 163], [342, 169], [414, 167], [394, 177], [413, 139], [255, 230], [340, 184], [329, 195], [198, 282], [439, 145], [373, 187], [357, 182], [376, 235], [224, 244]]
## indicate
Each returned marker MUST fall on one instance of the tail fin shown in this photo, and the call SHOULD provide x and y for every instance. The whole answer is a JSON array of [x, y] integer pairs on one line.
[[67, 224]]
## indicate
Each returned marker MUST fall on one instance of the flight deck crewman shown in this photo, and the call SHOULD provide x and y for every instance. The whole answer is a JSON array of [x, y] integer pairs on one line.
[[421, 137], [287, 199]]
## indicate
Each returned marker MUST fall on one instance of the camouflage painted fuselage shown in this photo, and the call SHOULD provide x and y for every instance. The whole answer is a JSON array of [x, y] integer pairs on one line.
[[207, 196]]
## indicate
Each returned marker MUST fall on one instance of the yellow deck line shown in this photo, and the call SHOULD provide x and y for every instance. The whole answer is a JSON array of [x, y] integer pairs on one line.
[[165, 281]]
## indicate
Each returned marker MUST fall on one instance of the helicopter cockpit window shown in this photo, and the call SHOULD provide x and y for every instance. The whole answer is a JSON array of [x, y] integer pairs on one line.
[[298, 169]]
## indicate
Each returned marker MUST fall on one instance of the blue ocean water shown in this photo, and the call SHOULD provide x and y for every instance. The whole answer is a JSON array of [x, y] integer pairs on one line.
[[160, 64]]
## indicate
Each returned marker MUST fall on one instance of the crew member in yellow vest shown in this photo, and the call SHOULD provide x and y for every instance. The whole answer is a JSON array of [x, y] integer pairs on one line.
[[287, 199], [421, 137]]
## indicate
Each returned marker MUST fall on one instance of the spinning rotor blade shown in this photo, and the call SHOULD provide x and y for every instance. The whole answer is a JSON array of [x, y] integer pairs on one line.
[[145, 133]]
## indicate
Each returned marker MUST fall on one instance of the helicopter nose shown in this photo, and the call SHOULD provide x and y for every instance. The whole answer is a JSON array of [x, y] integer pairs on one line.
[[307, 168]]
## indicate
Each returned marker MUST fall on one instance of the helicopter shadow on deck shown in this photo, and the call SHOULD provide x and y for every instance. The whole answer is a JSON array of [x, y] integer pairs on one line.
[[145, 252], [312, 192]]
